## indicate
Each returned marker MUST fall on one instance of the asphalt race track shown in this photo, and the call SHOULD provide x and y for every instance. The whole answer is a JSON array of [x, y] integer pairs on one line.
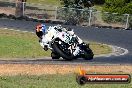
[[117, 37]]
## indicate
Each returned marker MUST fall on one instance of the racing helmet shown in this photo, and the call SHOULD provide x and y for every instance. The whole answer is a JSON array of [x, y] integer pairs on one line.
[[44, 29], [38, 28], [41, 27]]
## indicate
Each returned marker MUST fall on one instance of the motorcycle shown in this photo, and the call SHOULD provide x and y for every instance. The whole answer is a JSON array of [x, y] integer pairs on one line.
[[65, 45]]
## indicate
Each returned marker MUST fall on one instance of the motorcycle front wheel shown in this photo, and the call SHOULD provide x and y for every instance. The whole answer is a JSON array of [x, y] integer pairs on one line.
[[62, 50]]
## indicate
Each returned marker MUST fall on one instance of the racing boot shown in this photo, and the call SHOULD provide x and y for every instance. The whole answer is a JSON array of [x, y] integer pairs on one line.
[[45, 47]]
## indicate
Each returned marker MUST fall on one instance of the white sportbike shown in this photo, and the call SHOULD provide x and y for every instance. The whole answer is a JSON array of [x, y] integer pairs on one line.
[[66, 44]]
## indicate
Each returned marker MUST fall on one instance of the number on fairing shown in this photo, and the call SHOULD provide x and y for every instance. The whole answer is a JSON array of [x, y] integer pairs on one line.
[[67, 38]]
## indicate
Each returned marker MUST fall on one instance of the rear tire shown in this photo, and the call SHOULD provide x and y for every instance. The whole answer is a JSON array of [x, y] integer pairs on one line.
[[59, 51], [88, 54]]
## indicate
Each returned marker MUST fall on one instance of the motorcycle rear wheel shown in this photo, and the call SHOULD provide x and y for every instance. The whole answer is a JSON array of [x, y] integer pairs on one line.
[[87, 53]]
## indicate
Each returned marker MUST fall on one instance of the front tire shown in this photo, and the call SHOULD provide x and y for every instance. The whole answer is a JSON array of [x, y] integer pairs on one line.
[[57, 48]]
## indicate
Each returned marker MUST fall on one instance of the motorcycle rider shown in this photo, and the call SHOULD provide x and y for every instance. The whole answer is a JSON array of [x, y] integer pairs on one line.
[[41, 30]]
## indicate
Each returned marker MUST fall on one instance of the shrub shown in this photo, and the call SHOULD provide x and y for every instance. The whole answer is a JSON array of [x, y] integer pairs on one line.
[[117, 6]]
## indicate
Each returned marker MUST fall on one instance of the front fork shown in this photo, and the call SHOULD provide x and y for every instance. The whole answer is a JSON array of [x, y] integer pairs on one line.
[[79, 48], [75, 49]]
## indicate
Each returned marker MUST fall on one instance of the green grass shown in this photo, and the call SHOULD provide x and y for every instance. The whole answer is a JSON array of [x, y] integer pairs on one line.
[[51, 81], [100, 48], [45, 2], [14, 44], [57, 3], [20, 45], [98, 7]]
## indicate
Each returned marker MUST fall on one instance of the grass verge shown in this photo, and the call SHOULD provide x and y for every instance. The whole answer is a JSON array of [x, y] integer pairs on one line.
[[50, 81], [15, 44], [98, 7], [45, 2], [55, 76]]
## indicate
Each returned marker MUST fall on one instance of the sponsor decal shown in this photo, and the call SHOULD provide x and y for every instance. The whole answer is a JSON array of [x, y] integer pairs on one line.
[[84, 78]]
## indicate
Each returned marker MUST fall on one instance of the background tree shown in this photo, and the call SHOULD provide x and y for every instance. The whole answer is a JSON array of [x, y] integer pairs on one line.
[[75, 16], [118, 6], [77, 3]]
